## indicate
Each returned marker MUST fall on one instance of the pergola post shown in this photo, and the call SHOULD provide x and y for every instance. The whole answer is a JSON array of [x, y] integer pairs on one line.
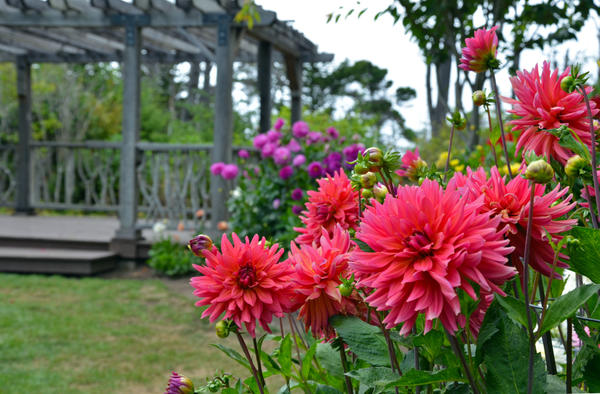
[[294, 74], [126, 237], [23, 196], [227, 40], [264, 84]]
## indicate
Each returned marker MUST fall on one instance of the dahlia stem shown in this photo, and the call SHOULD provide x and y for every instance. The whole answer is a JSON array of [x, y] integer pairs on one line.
[[569, 351], [297, 349], [526, 289], [449, 151], [257, 353], [345, 367], [390, 345], [547, 337], [416, 355], [592, 149], [281, 327], [456, 348], [489, 116], [500, 122], [591, 206], [252, 367]]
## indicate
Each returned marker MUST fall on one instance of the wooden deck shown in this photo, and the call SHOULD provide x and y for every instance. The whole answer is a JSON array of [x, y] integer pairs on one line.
[[66, 244]]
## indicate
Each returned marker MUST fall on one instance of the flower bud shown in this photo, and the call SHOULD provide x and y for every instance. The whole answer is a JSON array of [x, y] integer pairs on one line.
[[179, 384], [200, 243], [566, 83], [380, 191], [367, 193], [375, 158], [479, 98], [539, 171], [222, 329], [574, 165], [368, 180], [360, 168]]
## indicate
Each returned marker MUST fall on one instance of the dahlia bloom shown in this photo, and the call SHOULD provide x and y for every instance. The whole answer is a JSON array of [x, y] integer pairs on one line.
[[480, 52], [541, 104], [268, 149], [230, 171], [333, 133], [217, 168], [315, 169], [286, 172], [510, 203], [281, 155], [243, 153], [411, 162], [313, 137], [274, 136], [294, 146], [296, 209], [428, 242], [335, 202], [300, 129], [279, 123], [297, 194], [244, 282], [299, 160], [260, 141], [317, 277], [332, 162]]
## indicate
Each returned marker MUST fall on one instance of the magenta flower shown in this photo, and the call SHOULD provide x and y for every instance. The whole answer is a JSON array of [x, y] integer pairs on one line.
[[281, 156], [333, 133], [230, 171], [279, 124], [299, 160], [179, 384], [268, 149], [286, 172], [260, 141], [276, 203], [296, 209], [217, 168], [315, 169], [294, 146], [314, 137], [297, 194], [243, 153], [300, 129], [480, 52], [274, 136]]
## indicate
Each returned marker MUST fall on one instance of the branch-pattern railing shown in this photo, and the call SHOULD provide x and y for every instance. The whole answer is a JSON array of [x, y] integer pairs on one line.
[[173, 180]]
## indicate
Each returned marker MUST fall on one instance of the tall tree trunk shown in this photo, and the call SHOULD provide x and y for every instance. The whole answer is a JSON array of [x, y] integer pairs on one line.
[[476, 115], [193, 80], [443, 86]]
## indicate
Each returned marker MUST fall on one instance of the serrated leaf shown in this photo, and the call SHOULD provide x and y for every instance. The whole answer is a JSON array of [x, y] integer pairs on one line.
[[431, 343], [416, 377], [566, 305], [307, 360], [364, 340], [515, 309], [329, 359], [232, 354], [285, 356], [506, 357], [584, 256]]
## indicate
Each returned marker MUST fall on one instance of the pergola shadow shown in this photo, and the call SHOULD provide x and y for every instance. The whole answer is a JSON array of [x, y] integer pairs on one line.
[[90, 31]]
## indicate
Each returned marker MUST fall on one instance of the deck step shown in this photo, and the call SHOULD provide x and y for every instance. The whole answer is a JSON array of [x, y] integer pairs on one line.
[[56, 261]]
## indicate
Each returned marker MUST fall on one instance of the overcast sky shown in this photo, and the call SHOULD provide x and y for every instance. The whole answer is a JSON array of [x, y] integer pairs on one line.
[[388, 46]]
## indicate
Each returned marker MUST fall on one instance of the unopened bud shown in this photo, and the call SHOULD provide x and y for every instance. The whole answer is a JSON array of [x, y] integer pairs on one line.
[[368, 180], [367, 193], [375, 158], [200, 243], [567, 84], [222, 329], [360, 168], [179, 384], [479, 98], [575, 165], [539, 171], [380, 191]]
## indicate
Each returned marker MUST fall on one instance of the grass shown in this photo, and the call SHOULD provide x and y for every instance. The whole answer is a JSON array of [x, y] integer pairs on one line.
[[90, 335]]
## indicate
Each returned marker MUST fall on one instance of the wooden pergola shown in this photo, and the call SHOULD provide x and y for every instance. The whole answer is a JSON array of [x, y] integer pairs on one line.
[[90, 31]]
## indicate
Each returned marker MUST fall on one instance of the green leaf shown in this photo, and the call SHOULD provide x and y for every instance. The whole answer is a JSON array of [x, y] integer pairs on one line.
[[364, 340], [233, 355], [416, 377], [329, 359], [285, 356], [591, 374], [554, 384], [375, 377], [506, 356], [584, 256], [307, 360], [515, 309], [431, 343], [566, 306], [324, 389]]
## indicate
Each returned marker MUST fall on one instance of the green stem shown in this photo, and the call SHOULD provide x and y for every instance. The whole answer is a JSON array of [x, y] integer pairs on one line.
[[500, 122], [449, 151], [345, 367], [493, 143], [456, 349], [252, 367], [526, 289], [258, 363], [592, 148], [569, 351]]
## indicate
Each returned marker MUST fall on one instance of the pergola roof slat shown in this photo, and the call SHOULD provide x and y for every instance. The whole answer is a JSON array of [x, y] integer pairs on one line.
[[33, 42], [117, 6], [169, 42]]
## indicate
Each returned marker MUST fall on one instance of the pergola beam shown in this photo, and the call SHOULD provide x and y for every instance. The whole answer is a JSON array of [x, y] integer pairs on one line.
[[264, 65], [23, 202]]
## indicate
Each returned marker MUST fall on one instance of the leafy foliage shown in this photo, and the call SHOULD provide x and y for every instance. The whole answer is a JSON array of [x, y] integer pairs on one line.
[[171, 258]]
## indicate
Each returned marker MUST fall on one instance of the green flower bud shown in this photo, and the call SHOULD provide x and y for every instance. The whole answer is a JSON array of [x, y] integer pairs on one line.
[[345, 289], [368, 180], [374, 157], [567, 84], [575, 165], [479, 98], [539, 171], [222, 329], [367, 193], [361, 168], [380, 191]]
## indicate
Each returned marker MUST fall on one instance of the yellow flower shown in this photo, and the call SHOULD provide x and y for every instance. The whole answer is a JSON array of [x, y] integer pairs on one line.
[[459, 168], [454, 162]]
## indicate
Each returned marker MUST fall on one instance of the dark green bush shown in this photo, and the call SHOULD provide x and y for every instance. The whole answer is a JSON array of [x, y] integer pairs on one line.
[[171, 259]]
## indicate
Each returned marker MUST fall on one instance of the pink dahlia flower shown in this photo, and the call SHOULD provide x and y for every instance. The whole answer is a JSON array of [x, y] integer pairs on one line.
[[244, 282], [480, 52], [217, 168], [540, 105], [230, 171], [411, 161], [279, 123], [300, 129], [335, 202], [427, 243], [510, 203], [317, 277]]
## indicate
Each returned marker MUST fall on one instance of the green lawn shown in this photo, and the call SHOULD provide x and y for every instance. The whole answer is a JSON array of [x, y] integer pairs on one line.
[[90, 335]]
